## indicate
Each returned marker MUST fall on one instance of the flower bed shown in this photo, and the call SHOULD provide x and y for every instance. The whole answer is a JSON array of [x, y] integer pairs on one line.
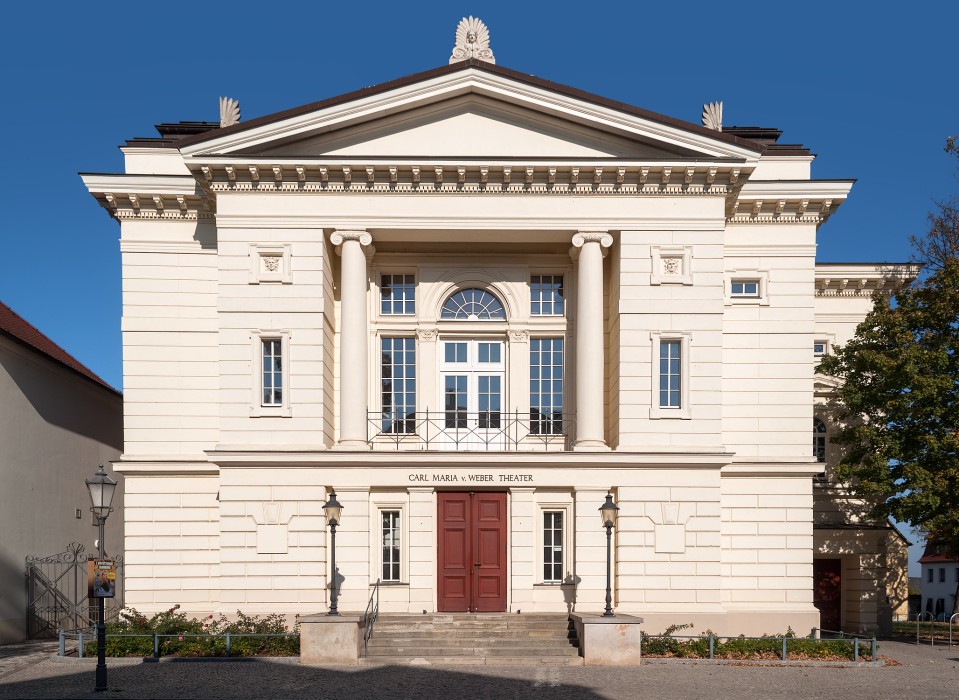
[[766, 648], [134, 635]]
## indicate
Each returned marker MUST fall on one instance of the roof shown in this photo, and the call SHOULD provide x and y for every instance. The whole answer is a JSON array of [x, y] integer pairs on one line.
[[933, 555], [15, 327], [558, 88]]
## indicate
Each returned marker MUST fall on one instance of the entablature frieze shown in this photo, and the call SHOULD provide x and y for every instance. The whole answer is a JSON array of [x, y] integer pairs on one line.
[[717, 178]]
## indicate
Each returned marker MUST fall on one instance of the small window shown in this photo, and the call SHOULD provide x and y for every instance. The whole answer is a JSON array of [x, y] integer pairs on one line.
[[490, 352], [397, 295], [553, 546], [454, 352], [473, 305], [547, 296], [748, 289], [932, 573], [819, 440], [390, 548], [272, 372], [942, 575], [957, 575], [670, 374]]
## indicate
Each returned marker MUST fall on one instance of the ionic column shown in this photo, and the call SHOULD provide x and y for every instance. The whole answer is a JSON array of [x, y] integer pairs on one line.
[[590, 339], [354, 338]]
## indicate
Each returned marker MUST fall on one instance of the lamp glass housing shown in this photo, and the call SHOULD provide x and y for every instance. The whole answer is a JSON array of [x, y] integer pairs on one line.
[[333, 509], [609, 511], [101, 488]]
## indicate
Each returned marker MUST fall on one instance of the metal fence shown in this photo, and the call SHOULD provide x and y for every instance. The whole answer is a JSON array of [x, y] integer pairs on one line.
[[92, 637], [781, 642], [483, 431]]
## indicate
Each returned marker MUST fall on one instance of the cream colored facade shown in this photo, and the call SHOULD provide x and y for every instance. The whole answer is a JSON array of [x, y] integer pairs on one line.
[[472, 176]]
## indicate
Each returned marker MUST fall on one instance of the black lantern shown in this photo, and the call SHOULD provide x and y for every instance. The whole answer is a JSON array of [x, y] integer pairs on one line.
[[101, 488], [333, 510], [609, 512]]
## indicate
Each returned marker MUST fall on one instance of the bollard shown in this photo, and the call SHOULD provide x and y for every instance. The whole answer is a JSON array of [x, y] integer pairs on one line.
[[228, 644], [63, 642], [784, 648], [156, 646], [80, 645], [855, 653], [711, 640], [873, 652]]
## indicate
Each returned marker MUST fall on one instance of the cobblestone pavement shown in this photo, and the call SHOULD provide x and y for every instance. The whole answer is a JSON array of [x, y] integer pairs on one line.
[[924, 672]]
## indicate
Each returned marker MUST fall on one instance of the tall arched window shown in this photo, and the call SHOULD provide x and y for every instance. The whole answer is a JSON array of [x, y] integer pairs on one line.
[[819, 439], [473, 305]]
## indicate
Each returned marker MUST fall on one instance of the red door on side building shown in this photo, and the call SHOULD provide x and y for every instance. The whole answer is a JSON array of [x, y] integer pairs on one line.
[[471, 552], [827, 592]]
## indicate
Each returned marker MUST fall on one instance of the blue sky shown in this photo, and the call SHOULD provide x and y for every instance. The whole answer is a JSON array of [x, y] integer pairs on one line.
[[869, 87]]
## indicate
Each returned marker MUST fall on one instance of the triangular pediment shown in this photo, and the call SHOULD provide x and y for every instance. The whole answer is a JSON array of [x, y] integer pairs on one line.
[[469, 110]]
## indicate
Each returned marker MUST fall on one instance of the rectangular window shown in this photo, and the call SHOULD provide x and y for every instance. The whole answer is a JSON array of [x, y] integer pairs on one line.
[[819, 348], [957, 575], [931, 574], [546, 386], [546, 295], [670, 373], [744, 289], [272, 372], [397, 295], [553, 546], [398, 359], [390, 532], [942, 575], [456, 400]]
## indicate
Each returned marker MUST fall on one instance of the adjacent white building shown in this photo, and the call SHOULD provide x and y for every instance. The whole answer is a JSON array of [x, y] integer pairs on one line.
[[939, 583], [473, 302]]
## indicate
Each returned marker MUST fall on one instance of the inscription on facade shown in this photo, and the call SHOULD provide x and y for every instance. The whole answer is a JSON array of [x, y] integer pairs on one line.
[[449, 477]]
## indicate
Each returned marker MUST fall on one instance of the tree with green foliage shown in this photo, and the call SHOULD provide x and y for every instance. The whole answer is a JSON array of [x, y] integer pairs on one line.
[[897, 405]]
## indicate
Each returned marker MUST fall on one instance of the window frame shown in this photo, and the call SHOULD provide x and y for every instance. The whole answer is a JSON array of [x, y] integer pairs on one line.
[[564, 297], [414, 343], [563, 392], [379, 296], [744, 281], [257, 409], [820, 435], [684, 411], [555, 503], [760, 277], [386, 502]]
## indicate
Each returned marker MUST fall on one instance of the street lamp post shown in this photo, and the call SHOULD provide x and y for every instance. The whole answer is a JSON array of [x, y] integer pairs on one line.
[[608, 511], [101, 488], [333, 511]]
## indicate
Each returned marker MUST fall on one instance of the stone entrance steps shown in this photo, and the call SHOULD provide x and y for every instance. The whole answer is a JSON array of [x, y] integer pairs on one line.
[[482, 638]]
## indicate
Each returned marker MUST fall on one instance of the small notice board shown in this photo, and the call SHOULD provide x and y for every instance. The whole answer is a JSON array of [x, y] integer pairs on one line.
[[102, 578]]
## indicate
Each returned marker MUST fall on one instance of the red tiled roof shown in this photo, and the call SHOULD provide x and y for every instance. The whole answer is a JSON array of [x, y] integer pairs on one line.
[[13, 326], [933, 555]]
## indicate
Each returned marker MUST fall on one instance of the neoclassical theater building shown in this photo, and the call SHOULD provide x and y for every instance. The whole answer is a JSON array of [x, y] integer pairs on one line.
[[473, 302]]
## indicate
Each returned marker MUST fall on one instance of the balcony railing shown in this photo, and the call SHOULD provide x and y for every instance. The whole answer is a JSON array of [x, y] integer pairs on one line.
[[483, 431]]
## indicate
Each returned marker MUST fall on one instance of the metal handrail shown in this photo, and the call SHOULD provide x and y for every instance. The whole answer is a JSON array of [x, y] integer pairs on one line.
[[932, 633], [372, 612], [489, 431]]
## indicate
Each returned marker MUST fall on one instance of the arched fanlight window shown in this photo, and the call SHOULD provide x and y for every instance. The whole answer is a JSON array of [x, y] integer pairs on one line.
[[473, 305], [819, 439]]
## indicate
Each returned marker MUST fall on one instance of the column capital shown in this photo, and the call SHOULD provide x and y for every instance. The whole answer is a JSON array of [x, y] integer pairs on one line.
[[338, 237], [581, 238]]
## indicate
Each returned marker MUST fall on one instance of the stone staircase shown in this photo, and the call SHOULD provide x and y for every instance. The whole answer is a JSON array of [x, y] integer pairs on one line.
[[465, 638]]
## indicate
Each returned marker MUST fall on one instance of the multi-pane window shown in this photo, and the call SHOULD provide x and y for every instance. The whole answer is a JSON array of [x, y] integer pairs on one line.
[[390, 532], [472, 305], [546, 386], [819, 348], [546, 295], [397, 295], [670, 373], [272, 372], [819, 440], [456, 400], [398, 362], [942, 575], [744, 288], [553, 546]]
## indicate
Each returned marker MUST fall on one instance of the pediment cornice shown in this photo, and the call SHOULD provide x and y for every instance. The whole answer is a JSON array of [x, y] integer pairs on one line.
[[787, 201], [157, 197]]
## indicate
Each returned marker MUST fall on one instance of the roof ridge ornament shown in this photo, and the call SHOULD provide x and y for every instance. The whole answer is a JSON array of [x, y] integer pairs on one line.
[[472, 41], [229, 112], [713, 116]]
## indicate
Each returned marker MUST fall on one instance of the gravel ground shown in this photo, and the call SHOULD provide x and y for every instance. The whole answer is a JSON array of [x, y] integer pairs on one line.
[[924, 672]]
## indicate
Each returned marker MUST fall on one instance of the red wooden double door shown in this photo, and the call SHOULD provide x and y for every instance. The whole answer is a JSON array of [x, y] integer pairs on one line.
[[471, 552]]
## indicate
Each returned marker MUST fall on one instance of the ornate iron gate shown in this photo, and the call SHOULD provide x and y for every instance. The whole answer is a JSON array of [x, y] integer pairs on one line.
[[57, 593]]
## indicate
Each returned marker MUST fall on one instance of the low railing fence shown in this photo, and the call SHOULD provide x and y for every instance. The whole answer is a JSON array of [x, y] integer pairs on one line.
[[371, 615], [718, 646], [490, 431], [91, 636]]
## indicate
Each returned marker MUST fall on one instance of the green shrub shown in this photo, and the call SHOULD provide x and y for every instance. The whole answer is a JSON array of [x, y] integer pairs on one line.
[[193, 637]]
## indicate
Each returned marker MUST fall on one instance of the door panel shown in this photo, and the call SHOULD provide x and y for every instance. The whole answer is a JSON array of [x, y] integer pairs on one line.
[[471, 557], [827, 592]]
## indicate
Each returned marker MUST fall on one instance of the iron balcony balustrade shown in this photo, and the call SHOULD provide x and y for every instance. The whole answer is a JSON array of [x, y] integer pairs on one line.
[[482, 431]]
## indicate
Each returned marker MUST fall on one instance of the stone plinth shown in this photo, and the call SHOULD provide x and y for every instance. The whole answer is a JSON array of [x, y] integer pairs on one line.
[[608, 641], [326, 639]]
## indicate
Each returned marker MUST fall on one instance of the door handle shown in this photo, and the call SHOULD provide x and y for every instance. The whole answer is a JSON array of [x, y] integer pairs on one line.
[[477, 564]]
